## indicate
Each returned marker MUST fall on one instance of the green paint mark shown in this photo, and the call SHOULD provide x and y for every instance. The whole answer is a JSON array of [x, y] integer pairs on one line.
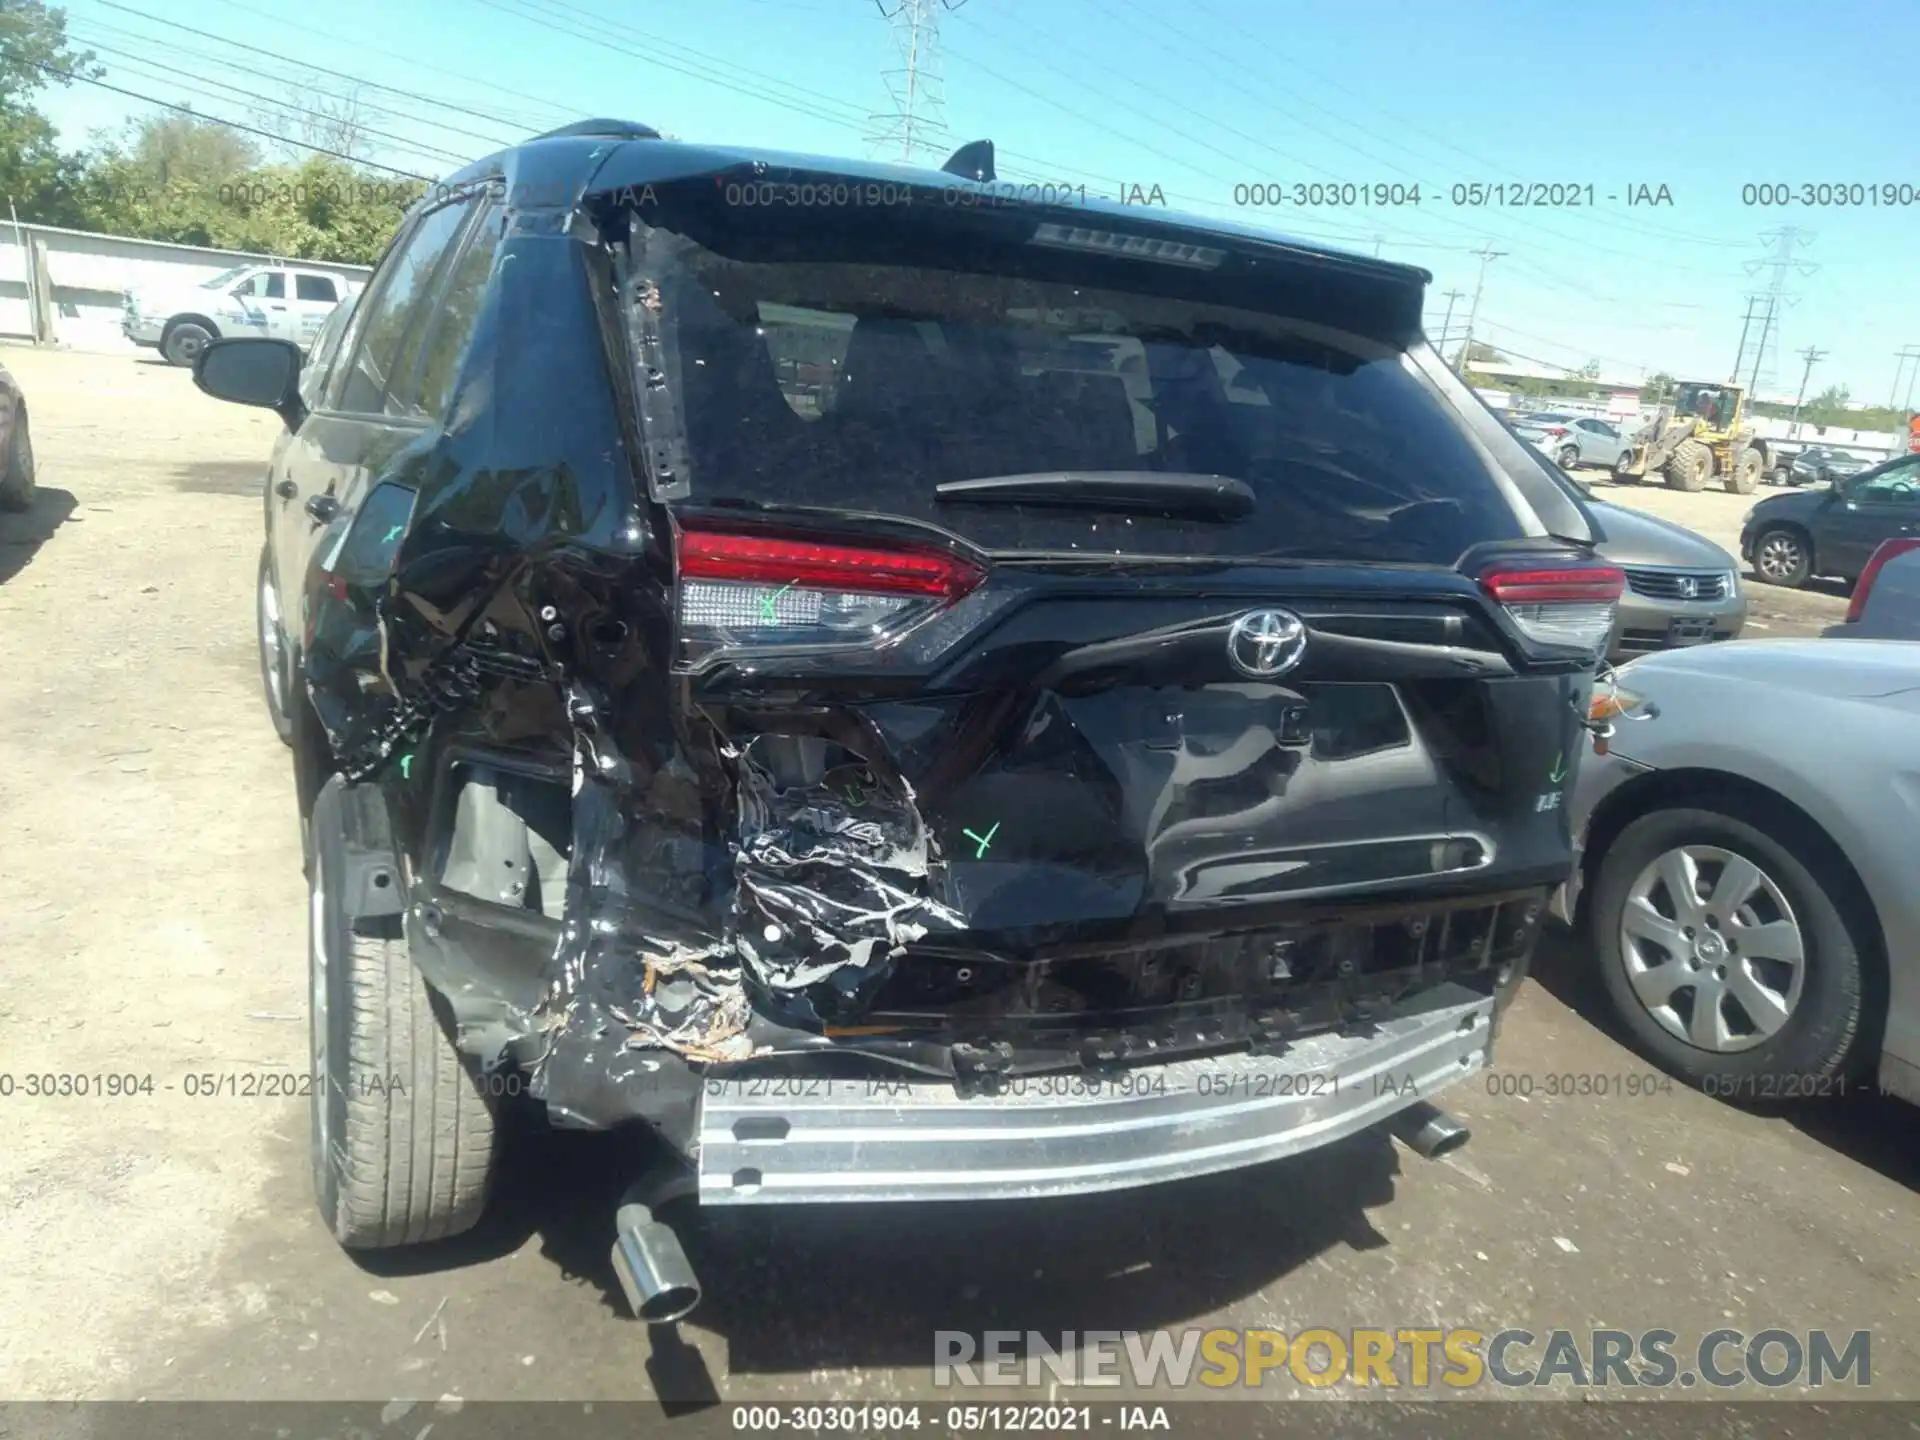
[[766, 605], [982, 840], [1559, 770], [406, 764], [394, 533]]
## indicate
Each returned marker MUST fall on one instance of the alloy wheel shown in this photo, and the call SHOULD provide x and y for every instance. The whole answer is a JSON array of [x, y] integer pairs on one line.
[[1779, 556], [1712, 948]]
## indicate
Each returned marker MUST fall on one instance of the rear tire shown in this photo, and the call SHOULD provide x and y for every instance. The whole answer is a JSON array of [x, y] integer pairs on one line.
[[403, 1139], [16, 481], [1745, 475], [1569, 457], [1783, 556], [1825, 1008], [1689, 466]]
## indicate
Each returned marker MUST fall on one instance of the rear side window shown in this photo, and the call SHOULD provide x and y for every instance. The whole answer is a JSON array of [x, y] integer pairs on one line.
[[391, 310], [314, 287], [456, 309], [326, 345], [825, 384]]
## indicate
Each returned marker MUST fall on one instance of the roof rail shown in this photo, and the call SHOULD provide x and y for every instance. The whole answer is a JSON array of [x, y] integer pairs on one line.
[[602, 129], [972, 161]]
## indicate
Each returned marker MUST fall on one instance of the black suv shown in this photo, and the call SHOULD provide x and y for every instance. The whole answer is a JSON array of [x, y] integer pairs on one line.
[[907, 685]]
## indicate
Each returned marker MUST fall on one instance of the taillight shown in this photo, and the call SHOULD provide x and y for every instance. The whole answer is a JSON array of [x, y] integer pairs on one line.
[[1565, 605], [1857, 606], [742, 593], [1556, 431]]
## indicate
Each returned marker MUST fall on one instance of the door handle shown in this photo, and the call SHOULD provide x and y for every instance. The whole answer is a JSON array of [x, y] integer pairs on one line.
[[322, 508], [276, 307], [286, 489]]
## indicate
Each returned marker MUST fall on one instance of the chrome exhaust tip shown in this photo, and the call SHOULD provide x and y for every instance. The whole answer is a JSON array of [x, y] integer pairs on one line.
[[1428, 1131], [653, 1268]]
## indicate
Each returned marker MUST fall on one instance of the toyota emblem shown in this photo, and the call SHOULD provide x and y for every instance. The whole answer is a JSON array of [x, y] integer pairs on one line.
[[1266, 643]]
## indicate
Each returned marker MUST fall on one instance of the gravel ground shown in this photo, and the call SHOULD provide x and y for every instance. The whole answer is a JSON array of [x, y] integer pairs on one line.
[[163, 1245]]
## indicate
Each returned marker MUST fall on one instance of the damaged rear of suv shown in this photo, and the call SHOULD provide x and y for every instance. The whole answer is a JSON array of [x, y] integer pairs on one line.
[[903, 692]]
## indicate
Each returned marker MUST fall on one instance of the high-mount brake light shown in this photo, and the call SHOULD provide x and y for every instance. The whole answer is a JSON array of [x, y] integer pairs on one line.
[[1885, 551], [1564, 605], [744, 593]]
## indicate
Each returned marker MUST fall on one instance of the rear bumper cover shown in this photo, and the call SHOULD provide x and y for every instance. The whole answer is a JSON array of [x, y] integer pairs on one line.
[[774, 1141]]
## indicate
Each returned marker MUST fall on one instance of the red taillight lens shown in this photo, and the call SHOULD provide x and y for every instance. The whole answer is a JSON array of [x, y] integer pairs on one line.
[[745, 594], [1566, 605], [807, 564], [1586, 582], [1556, 431], [1857, 606]]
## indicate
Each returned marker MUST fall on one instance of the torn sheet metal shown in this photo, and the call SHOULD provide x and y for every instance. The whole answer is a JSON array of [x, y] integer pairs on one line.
[[821, 886]]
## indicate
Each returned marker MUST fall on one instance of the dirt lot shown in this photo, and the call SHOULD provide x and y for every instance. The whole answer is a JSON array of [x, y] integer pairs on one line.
[[164, 1244]]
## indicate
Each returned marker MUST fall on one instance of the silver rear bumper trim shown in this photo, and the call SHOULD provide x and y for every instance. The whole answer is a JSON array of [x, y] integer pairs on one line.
[[789, 1140]]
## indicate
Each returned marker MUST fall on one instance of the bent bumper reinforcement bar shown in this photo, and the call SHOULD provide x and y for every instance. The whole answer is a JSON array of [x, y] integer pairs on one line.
[[788, 1141]]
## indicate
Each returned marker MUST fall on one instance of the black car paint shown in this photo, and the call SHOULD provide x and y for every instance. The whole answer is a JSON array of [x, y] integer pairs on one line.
[[1843, 533], [525, 627]]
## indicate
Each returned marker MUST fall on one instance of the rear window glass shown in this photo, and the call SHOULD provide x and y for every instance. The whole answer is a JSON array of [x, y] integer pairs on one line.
[[869, 384]]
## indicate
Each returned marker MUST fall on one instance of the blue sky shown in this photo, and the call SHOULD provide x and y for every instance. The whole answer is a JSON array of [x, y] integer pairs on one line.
[[1203, 96]]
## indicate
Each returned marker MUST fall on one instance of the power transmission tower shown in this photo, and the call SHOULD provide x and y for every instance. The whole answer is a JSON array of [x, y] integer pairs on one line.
[[1783, 242], [1811, 355], [1486, 253], [916, 86], [1910, 352]]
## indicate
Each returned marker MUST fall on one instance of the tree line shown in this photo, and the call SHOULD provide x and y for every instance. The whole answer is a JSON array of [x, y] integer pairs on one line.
[[179, 176]]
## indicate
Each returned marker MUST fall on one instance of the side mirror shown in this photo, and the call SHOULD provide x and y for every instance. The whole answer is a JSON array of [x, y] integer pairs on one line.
[[253, 370]]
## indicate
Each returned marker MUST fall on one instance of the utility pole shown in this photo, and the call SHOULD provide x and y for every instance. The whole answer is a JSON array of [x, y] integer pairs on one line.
[[1910, 352], [1446, 325], [1760, 350], [1486, 253], [1745, 326], [1811, 355], [916, 85]]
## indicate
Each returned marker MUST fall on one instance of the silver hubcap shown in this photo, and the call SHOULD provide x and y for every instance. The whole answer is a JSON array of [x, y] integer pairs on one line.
[[1712, 948], [1779, 555], [273, 649], [317, 966]]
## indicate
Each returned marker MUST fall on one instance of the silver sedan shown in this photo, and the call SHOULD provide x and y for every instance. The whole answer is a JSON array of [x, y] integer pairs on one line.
[[1746, 868], [1572, 440]]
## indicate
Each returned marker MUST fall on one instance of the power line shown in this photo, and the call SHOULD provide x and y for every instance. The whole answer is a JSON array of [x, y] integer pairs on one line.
[[413, 62], [318, 69], [230, 124], [212, 88], [302, 81]]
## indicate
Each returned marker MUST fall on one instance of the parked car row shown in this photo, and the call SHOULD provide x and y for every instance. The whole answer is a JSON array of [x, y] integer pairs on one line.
[[1834, 529]]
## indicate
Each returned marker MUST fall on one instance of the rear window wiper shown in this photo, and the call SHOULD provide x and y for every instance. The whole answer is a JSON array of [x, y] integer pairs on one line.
[[1203, 497]]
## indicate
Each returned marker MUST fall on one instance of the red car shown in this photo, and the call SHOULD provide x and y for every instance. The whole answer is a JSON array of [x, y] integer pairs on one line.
[[16, 471]]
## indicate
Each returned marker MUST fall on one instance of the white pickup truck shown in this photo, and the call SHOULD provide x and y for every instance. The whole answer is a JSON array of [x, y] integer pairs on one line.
[[285, 302]]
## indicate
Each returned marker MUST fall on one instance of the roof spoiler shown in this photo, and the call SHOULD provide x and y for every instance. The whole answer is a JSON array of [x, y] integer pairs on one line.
[[602, 130], [972, 161]]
